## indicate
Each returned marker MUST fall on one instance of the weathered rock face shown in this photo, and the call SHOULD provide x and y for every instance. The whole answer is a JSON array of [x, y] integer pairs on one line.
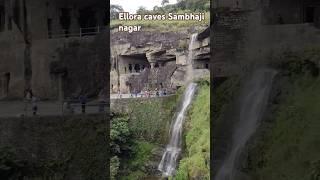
[[178, 76], [167, 40], [252, 32], [82, 66], [150, 60], [33, 34]]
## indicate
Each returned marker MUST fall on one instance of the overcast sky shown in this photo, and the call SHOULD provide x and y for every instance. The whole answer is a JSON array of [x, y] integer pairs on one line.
[[132, 5]]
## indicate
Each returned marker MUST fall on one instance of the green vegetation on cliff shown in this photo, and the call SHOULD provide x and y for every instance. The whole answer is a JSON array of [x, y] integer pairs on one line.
[[196, 162], [137, 134], [54, 148], [133, 168], [150, 120], [288, 144]]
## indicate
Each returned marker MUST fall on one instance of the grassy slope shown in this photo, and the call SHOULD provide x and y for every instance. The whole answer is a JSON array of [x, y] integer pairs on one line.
[[291, 148], [196, 162]]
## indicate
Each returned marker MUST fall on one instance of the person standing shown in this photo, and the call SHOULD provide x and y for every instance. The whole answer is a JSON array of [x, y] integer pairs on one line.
[[34, 105], [83, 101], [67, 107], [119, 94], [136, 93], [102, 100], [27, 99]]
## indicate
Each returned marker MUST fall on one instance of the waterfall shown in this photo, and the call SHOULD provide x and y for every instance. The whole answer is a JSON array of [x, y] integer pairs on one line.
[[253, 101], [189, 73], [192, 41], [169, 159]]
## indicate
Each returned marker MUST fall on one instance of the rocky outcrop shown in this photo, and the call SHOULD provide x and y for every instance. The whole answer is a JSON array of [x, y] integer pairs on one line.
[[150, 60]]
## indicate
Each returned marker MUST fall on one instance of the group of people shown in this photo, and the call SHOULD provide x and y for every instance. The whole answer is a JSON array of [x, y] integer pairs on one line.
[[69, 108], [149, 93], [102, 100], [30, 98]]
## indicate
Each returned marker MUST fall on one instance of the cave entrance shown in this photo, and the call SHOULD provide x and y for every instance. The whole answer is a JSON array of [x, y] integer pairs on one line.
[[137, 67], [62, 81], [4, 84], [87, 21], [49, 24], [65, 20], [129, 86], [310, 14], [16, 13], [134, 63]]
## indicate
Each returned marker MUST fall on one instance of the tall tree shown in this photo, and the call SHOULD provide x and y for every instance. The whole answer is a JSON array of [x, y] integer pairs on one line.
[[164, 2], [142, 10], [114, 11]]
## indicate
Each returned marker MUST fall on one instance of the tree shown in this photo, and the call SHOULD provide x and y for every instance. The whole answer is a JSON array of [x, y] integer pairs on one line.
[[142, 10], [164, 2], [156, 8], [181, 4], [114, 11], [119, 134]]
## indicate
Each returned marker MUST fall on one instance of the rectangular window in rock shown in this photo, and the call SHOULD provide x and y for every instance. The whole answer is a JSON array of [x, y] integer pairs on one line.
[[65, 20], [17, 14], [309, 14], [88, 21], [10, 23], [2, 18], [49, 24]]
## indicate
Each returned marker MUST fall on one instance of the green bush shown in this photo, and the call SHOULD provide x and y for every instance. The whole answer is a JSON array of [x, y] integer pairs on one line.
[[119, 134], [150, 120], [133, 167]]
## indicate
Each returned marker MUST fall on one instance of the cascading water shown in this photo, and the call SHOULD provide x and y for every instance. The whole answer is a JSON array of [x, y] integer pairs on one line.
[[190, 58], [191, 46], [169, 159], [253, 102]]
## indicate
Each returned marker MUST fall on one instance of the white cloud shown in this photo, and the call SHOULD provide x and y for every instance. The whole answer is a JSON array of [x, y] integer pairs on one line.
[[132, 5]]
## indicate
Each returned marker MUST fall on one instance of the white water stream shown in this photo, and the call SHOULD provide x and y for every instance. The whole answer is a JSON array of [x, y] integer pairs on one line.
[[169, 159], [253, 102]]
